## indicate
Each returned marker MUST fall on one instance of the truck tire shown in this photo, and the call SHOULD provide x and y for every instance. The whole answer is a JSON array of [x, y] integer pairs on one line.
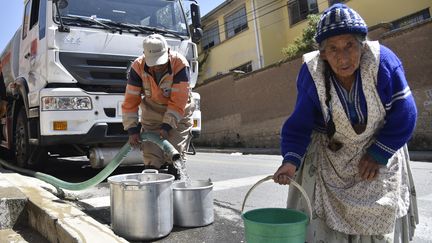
[[22, 146], [26, 155]]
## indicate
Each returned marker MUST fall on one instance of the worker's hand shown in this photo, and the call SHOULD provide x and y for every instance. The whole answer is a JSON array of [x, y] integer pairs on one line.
[[134, 140], [3, 108], [163, 134], [285, 171], [368, 167]]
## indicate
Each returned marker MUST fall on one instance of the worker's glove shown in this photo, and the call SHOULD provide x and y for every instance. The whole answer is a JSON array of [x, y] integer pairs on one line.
[[3, 107], [135, 140], [164, 131]]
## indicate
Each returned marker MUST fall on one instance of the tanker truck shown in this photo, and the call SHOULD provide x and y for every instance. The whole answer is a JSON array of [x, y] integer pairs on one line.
[[65, 74]]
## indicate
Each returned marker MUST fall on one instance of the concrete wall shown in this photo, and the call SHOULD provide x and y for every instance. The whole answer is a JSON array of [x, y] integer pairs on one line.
[[248, 111]]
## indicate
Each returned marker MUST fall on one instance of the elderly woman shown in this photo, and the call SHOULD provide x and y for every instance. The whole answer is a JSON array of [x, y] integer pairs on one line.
[[345, 142]]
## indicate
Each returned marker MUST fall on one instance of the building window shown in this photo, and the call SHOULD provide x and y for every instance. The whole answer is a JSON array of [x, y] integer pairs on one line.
[[299, 9], [245, 68], [331, 2], [210, 37], [411, 19], [236, 22]]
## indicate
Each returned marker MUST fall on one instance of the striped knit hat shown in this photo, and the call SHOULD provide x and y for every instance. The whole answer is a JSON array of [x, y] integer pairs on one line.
[[337, 20]]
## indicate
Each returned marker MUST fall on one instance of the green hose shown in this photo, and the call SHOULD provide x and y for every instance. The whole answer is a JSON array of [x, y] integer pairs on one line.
[[103, 174]]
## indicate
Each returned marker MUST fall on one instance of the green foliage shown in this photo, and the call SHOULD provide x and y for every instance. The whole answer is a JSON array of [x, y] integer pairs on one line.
[[306, 42]]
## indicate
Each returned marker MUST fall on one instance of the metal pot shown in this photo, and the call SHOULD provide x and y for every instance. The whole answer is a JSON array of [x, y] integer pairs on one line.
[[193, 203], [141, 205]]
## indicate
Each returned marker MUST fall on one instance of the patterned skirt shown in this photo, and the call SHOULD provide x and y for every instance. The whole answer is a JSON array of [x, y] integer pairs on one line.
[[319, 232]]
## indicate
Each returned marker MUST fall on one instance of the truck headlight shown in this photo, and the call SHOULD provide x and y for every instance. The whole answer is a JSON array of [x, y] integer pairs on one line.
[[66, 103]]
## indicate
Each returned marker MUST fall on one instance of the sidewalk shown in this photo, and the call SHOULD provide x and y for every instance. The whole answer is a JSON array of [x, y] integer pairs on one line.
[[27, 202]]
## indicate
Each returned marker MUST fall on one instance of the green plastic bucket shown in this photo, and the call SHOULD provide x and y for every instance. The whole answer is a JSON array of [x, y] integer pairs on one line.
[[274, 225]]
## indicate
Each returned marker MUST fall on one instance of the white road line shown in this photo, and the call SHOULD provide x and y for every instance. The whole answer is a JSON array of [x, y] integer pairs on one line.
[[426, 198], [235, 183], [100, 202]]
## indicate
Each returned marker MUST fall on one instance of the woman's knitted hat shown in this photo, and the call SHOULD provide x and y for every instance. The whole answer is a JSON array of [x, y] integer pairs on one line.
[[337, 20]]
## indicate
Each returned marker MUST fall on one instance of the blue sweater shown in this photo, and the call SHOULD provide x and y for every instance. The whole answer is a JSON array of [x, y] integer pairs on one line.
[[394, 93]]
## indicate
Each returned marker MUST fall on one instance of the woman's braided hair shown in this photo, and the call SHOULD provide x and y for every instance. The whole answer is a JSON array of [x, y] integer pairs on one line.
[[330, 127]]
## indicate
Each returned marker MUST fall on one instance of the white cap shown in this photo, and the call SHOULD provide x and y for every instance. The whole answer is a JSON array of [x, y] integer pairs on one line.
[[155, 50]]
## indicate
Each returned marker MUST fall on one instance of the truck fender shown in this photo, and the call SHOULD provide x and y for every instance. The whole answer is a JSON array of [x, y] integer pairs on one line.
[[18, 91]]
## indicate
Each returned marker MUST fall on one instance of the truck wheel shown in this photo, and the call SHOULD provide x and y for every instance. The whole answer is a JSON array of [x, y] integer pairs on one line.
[[22, 146], [26, 155]]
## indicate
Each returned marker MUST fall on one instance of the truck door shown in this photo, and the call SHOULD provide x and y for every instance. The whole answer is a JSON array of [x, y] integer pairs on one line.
[[30, 40]]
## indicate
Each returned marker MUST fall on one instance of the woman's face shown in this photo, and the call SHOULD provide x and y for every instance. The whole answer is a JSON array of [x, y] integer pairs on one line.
[[343, 53]]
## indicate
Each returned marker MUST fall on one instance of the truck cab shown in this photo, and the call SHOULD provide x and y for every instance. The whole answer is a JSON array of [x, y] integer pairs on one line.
[[65, 73]]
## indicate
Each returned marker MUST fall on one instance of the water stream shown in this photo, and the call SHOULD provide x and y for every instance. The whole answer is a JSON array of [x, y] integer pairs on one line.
[[180, 165]]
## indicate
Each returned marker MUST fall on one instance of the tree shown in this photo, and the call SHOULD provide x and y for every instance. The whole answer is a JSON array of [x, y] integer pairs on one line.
[[306, 42]]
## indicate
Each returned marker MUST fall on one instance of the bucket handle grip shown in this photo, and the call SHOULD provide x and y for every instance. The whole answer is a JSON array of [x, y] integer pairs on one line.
[[292, 182], [130, 182], [150, 171]]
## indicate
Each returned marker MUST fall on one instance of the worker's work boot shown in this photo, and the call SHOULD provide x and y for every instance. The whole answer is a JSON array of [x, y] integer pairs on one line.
[[172, 170], [169, 168]]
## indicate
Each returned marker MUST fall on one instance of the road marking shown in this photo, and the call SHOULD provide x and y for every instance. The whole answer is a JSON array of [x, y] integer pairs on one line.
[[426, 198], [101, 202], [235, 183], [97, 202]]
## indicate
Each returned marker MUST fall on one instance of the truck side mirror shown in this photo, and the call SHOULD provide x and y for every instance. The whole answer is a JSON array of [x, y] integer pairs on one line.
[[197, 34], [196, 16], [196, 22]]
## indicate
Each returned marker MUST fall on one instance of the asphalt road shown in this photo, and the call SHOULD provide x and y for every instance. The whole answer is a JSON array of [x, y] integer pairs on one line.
[[233, 175]]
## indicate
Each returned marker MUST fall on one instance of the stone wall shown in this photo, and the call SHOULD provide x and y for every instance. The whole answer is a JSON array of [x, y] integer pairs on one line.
[[249, 110], [414, 47]]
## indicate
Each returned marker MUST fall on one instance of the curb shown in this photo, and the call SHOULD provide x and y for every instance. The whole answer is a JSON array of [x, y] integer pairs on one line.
[[55, 220], [12, 204], [425, 156]]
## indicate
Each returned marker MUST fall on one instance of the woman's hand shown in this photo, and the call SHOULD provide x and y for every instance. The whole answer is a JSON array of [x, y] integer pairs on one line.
[[368, 167], [285, 171]]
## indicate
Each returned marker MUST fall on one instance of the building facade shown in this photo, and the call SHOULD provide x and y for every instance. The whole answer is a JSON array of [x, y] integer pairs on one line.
[[245, 35]]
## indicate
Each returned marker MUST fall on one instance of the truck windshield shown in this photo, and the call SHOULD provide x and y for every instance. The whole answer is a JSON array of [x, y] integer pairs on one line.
[[158, 14]]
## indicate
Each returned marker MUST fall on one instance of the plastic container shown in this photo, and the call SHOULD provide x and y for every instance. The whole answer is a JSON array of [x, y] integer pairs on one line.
[[275, 225]]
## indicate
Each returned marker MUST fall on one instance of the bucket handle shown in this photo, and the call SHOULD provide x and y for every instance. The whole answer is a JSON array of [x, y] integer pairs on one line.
[[130, 182], [292, 182], [150, 171]]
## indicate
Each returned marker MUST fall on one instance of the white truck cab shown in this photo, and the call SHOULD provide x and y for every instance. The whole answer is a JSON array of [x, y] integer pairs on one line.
[[65, 73]]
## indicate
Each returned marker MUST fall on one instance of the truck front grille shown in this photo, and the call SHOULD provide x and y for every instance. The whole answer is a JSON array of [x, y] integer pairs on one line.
[[97, 72]]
